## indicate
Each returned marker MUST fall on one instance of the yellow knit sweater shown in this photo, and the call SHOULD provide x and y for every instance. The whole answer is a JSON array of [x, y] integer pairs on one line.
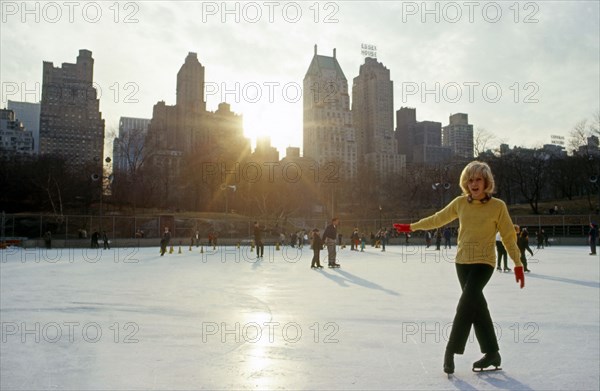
[[479, 223]]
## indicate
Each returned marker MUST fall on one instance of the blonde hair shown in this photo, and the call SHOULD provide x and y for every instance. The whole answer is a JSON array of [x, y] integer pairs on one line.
[[473, 169]]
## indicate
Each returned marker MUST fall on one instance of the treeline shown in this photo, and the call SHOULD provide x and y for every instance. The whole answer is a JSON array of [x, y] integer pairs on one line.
[[289, 188]]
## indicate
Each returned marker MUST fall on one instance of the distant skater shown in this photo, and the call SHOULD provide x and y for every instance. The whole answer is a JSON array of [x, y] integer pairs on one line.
[[260, 246], [523, 243], [329, 238], [502, 254], [593, 236], [164, 242], [317, 246]]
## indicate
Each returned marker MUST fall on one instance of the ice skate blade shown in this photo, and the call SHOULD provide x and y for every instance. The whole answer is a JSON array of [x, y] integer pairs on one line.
[[488, 369]]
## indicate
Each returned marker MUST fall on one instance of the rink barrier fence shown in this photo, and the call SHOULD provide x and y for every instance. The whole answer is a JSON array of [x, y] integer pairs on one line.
[[75, 230]]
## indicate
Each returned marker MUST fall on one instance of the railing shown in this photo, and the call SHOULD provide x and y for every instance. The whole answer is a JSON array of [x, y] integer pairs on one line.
[[69, 227]]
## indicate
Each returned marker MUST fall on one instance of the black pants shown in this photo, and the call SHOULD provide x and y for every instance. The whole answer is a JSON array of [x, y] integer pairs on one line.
[[472, 309], [163, 246], [501, 254], [524, 257], [316, 261], [260, 249]]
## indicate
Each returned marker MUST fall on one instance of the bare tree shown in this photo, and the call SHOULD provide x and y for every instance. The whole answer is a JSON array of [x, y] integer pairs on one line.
[[130, 154], [578, 135], [483, 140]]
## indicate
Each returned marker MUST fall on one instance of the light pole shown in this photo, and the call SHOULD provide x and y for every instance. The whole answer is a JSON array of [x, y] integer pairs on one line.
[[441, 187], [224, 187], [380, 210]]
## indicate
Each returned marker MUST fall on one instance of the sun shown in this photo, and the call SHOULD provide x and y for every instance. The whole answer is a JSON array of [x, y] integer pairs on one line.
[[255, 127], [279, 123]]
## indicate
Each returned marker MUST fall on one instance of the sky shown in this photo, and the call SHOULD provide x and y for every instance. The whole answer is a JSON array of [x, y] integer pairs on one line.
[[521, 70]]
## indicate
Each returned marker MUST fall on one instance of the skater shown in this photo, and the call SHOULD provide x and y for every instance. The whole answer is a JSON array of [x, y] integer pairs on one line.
[[94, 239], [282, 239], [354, 239], [105, 241], [427, 239], [329, 237], [317, 246], [593, 237], [501, 253], [293, 239], [540, 239], [195, 238], [164, 242], [438, 239], [480, 217], [447, 235], [48, 239], [523, 243], [260, 246], [384, 239]]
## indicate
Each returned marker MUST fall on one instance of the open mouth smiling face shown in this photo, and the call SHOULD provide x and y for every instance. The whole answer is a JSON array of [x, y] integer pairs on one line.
[[476, 187]]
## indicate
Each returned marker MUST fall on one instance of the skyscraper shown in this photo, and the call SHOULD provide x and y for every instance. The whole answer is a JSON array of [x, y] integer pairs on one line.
[[187, 125], [458, 135], [420, 141], [328, 132], [71, 125], [29, 114], [373, 119], [190, 85], [15, 139]]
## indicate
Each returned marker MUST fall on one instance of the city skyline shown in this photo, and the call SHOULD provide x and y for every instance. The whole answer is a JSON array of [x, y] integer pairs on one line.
[[532, 51]]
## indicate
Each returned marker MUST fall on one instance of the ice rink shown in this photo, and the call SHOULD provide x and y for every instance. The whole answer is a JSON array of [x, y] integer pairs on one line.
[[130, 319]]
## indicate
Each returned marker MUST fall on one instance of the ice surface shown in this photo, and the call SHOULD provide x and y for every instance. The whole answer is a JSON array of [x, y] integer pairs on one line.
[[131, 319]]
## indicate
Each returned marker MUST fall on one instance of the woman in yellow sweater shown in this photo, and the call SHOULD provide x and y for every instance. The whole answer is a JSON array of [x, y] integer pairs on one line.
[[480, 216]]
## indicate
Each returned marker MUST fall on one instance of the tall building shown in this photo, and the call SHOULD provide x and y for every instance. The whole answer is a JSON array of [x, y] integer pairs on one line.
[[29, 114], [458, 135], [328, 131], [373, 119], [71, 125], [15, 139], [405, 118], [128, 148], [427, 143], [190, 85], [188, 127], [264, 151], [420, 141]]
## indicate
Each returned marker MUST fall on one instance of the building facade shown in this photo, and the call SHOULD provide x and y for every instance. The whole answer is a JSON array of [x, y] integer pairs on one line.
[[188, 128], [373, 120], [15, 139], [328, 131], [458, 136], [29, 114], [71, 124], [421, 141]]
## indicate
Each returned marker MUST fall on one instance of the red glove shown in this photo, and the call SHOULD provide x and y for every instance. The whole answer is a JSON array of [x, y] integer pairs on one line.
[[401, 228], [519, 276]]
